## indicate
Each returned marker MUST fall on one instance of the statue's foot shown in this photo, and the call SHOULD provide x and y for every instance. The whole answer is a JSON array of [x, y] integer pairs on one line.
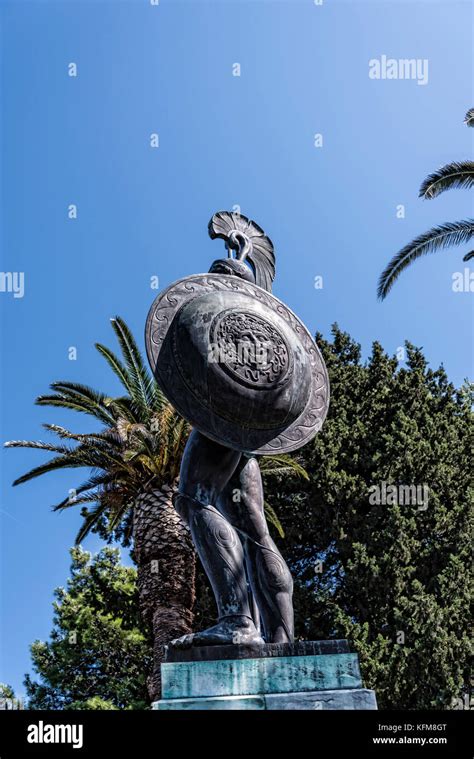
[[236, 630]]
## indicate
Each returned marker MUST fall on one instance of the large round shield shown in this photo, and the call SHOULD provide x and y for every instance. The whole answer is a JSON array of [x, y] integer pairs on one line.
[[237, 364]]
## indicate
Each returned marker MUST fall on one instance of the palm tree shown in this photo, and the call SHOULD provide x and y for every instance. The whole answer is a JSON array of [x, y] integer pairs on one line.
[[135, 461], [457, 174]]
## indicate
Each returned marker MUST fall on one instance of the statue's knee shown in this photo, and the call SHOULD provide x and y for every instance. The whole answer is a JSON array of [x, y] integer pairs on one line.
[[185, 505], [285, 581], [273, 570], [190, 509]]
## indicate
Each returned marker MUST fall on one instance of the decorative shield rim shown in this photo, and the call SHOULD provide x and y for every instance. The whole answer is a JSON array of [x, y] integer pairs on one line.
[[160, 317]]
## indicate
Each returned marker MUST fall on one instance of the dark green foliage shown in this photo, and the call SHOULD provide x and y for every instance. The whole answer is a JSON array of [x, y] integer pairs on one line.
[[390, 571], [98, 654], [6, 691]]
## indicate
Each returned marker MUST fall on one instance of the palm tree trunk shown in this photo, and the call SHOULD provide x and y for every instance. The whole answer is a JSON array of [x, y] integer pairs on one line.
[[166, 568]]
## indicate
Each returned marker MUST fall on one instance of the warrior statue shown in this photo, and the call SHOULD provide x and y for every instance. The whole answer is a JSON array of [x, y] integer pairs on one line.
[[245, 372]]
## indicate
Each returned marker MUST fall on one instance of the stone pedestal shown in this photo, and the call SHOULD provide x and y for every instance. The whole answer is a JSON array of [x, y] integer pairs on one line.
[[304, 675]]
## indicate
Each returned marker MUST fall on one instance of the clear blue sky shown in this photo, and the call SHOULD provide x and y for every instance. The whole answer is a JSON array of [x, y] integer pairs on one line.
[[224, 141]]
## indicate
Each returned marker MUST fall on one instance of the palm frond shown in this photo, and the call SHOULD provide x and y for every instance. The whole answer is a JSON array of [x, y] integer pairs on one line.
[[282, 464], [116, 515], [117, 367], [80, 398], [99, 456], [63, 402], [93, 482], [61, 432], [92, 517], [60, 462], [469, 118], [437, 238], [78, 500], [271, 516], [457, 174], [140, 376], [109, 436], [128, 453], [180, 433], [122, 407], [66, 434], [159, 398], [37, 444]]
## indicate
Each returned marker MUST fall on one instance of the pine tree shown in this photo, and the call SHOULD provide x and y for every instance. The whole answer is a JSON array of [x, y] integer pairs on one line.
[[98, 655], [392, 576]]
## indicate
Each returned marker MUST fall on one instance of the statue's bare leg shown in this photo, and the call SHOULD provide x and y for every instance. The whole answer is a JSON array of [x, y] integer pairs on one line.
[[206, 469], [241, 501]]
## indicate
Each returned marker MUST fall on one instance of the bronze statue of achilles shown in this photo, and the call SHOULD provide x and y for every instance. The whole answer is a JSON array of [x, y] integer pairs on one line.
[[245, 372]]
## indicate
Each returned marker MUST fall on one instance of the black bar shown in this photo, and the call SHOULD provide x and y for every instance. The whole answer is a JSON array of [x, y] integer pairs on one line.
[[218, 734]]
